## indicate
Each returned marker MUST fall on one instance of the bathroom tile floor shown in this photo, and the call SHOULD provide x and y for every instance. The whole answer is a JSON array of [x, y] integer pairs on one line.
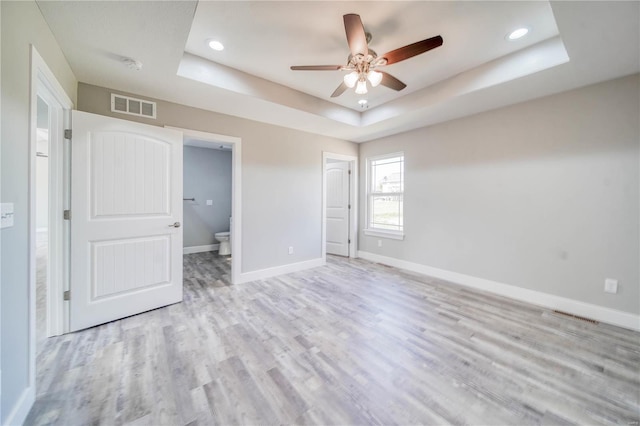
[[207, 268]]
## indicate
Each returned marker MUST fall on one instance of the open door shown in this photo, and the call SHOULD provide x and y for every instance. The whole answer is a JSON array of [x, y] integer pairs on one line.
[[126, 211], [337, 202]]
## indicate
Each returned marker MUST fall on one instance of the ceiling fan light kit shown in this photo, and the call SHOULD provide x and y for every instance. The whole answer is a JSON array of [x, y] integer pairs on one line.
[[351, 79], [374, 77], [362, 62], [361, 87]]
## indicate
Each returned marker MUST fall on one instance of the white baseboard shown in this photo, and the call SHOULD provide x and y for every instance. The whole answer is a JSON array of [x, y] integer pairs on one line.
[[546, 300], [279, 270], [21, 409], [200, 249]]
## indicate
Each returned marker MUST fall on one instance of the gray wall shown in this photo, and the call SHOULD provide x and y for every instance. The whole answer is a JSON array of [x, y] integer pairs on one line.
[[22, 24], [207, 176], [542, 195], [281, 176]]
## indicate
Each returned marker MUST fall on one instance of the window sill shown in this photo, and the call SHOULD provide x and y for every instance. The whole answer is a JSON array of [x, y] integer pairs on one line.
[[394, 235]]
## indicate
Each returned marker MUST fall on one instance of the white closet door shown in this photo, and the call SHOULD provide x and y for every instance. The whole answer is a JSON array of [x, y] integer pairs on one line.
[[337, 176]]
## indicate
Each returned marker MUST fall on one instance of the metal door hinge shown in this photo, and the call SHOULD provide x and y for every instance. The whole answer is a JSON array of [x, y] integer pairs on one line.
[[349, 206], [67, 215], [349, 171], [66, 295], [348, 241], [67, 134]]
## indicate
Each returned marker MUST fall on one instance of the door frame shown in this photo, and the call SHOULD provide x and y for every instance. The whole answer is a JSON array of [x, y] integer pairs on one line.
[[215, 139], [353, 200], [44, 83]]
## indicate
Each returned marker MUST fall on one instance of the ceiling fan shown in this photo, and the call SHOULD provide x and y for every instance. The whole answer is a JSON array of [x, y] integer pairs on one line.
[[363, 62]]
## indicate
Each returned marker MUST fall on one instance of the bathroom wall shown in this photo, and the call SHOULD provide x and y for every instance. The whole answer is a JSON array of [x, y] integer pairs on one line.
[[207, 176]]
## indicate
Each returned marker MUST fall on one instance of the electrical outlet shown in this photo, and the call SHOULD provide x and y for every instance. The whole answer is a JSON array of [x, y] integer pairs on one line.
[[610, 285], [290, 250], [209, 202], [379, 243]]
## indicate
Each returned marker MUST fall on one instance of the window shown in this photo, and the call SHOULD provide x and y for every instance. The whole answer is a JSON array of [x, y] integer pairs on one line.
[[385, 193]]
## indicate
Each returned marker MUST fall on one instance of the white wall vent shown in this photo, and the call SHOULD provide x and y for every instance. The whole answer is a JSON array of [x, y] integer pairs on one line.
[[133, 106]]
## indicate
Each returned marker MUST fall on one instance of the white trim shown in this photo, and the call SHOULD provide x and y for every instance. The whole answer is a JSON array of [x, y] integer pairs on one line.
[[546, 300], [207, 136], [385, 156], [43, 82], [200, 249], [55, 228], [353, 199], [236, 190], [279, 270], [394, 235], [378, 232], [21, 409]]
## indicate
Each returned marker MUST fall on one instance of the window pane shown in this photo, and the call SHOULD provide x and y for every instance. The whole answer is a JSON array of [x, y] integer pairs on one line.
[[387, 175], [386, 212]]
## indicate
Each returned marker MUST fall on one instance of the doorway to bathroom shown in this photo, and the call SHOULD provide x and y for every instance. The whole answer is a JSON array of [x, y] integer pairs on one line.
[[211, 208]]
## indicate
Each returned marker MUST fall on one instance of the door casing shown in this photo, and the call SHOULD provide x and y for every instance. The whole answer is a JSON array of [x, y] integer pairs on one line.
[[44, 83], [236, 190], [353, 195]]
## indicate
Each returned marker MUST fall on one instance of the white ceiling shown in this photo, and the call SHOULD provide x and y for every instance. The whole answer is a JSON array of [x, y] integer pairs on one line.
[[571, 44], [265, 38]]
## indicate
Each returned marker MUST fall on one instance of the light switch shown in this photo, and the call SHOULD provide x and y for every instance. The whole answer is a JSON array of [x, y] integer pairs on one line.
[[6, 215], [209, 202]]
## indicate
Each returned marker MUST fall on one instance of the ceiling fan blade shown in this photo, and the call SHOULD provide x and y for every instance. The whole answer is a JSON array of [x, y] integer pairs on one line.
[[391, 82], [339, 91], [316, 67], [355, 34], [412, 50]]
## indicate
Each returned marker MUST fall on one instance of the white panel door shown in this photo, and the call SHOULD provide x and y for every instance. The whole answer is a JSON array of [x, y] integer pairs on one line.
[[126, 193], [338, 208]]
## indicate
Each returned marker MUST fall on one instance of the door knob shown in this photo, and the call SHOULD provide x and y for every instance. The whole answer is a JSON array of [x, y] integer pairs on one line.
[[175, 225]]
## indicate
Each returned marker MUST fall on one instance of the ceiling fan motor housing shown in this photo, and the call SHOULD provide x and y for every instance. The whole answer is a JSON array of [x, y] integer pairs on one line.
[[362, 61]]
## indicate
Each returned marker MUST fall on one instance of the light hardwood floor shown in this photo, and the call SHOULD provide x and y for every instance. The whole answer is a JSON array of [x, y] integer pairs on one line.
[[352, 342]]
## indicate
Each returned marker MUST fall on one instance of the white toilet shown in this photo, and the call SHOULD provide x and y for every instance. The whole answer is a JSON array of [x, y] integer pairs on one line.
[[225, 241]]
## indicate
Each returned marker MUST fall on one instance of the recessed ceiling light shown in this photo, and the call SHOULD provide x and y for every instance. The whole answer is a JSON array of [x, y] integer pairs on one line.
[[516, 34], [215, 45]]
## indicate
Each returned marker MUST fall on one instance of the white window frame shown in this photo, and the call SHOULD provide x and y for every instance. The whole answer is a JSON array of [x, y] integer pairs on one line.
[[377, 232]]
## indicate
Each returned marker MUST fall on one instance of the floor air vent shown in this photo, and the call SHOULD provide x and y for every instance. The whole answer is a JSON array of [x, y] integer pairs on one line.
[[567, 314], [133, 106]]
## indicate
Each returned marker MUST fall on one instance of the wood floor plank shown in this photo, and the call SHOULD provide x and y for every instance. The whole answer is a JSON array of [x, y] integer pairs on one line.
[[352, 342]]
